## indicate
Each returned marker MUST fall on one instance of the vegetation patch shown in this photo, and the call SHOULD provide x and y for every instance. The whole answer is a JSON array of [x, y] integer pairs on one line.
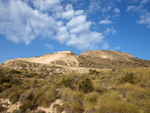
[[116, 91]]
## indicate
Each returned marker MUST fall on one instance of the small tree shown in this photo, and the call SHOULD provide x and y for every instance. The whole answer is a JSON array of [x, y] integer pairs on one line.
[[85, 85], [68, 82]]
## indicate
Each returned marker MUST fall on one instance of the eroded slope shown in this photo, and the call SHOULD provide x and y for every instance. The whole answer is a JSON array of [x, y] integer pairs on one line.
[[68, 62]]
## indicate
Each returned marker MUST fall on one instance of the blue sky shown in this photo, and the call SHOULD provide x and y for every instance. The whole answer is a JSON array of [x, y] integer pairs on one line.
[[31, 28]]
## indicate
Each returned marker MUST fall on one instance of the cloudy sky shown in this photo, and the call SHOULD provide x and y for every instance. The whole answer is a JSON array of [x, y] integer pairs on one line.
[[35, 27]]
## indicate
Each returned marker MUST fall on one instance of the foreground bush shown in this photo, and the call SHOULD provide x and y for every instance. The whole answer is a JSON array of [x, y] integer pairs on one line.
[[73, 107], [1, 108], [67, 81], [85, 85], [90, 101], [128, 77], [70, 95], [18, 111], [58, 108], [112, 102], [13, 97], [26, 105]]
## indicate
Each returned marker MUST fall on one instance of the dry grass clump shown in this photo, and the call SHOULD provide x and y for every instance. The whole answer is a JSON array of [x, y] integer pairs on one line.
[[112, 102], [90, 101]]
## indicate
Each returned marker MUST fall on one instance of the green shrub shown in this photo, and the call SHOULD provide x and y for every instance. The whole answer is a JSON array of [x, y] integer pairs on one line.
[[15, 81], [90, 100], [13, 97], [58, 108], [128, 77], [38, 94], [70, 95], [73, 107], [44, 96], [1, 108], [0, 89], [27, 104], [68, 82], [5, 86], [6, 78], [14, 71], [112, 102], [49, 96], [118, 107], [97, 86], [85, 85], [91, 72], [40, 111], [30, 74], [18, 111]]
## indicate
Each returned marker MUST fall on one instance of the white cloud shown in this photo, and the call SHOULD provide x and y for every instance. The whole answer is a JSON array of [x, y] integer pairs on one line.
[[145, 19], [144, 2], [47, 5], [131, 8], [78, 24], [81, 28], [118, 47], [79, 12], [109, 30], [85, 41], [81, 36], [105, 21], [69, 7], [49, 46], [106, 9], [78, 43], [116, 10], [62, 34], [60, 23], [76, 21], [19, 22], [141, 11], [94, 6], [68, 15]]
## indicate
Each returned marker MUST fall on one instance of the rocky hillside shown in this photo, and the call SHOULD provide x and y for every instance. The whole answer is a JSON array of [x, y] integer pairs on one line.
[[112, 55], [67, 62], [67, 58]]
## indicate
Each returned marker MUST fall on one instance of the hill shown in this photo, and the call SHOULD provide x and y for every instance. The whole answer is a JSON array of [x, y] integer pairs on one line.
[[66, 62], [94, 82]]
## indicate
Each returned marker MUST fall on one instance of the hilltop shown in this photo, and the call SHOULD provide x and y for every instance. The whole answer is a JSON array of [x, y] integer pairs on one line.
[[112, 55], [68, 62]]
